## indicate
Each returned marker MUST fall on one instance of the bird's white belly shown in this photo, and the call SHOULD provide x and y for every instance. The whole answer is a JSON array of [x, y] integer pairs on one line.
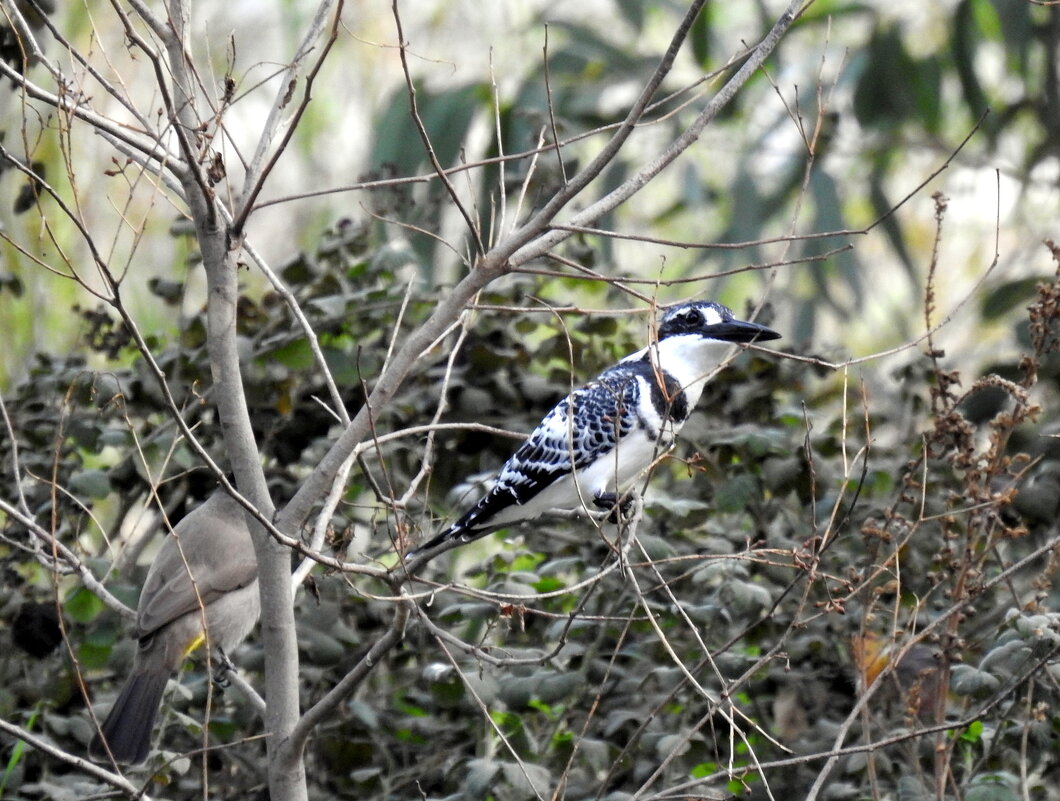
[[615, 472]]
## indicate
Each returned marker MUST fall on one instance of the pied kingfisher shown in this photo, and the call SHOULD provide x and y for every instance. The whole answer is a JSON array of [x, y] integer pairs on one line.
[[595, 443]]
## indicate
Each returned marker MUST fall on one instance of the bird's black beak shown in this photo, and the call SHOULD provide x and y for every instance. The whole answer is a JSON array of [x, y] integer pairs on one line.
[[739, 331]]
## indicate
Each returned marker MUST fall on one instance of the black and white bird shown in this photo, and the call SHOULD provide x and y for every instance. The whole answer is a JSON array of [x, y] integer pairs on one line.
[[595, 443]]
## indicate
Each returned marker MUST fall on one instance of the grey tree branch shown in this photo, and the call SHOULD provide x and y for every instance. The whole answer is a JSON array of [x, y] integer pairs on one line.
[[286, 772], [580, 180], [259, 169], [68, 104], [67, 556], [174, 72], [439, 171], [154, 22], [311, 336], [288, 79], [540, 245], [320, 527], [315, 485], [116, 780], [517, 249], [843, 732], [491, 266], [322, 708], [33, 48]]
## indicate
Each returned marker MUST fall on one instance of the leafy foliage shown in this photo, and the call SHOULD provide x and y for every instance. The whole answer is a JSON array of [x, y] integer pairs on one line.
[[756, 540], [842, 582]]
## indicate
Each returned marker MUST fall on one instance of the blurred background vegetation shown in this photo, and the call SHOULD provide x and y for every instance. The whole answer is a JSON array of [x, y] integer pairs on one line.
[[821, 528]]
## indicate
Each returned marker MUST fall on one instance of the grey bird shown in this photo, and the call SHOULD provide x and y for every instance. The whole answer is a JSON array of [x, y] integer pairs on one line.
[[205, 571], [596, 442]]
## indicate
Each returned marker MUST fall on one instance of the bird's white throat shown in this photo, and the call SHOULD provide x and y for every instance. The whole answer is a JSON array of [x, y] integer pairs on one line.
[[690, 359]]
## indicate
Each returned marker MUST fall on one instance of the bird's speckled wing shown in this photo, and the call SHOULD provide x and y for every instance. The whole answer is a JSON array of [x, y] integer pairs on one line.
[[603, 412]]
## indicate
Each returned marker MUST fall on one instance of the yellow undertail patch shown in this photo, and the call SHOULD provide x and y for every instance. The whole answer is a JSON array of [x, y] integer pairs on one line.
[[193, 645]]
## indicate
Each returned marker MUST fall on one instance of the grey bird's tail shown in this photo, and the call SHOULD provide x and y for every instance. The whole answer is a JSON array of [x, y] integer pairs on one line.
[[127, 729]]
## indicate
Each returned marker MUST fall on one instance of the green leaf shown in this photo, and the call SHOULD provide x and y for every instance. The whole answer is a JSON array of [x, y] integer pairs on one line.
[[973, 733], [93, 657], [16, 754], [296, 354], [365, 713], [745, 597], [986, 18], [671, 745], [555, 687], [548, 584], [703, 770], [563, 739], [505, 720], [225, 729], [115, 438], [531, 780], [700, 37], [319, 647], [1001, 300], [541, 707], [993, 787], [446, 116], [736, 493], [739, 786], [479, 776], [449, 693], [964, 47], [82, 605], [90, 483], [882, 205], [927, 92], [411, 709], [894, 88], [525, 562], [972, 682]]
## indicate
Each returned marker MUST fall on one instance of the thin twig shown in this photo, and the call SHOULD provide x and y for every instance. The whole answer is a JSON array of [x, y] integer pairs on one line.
[[342, 690], [257, 174], [410, 86], [68, 556], [531, 245]]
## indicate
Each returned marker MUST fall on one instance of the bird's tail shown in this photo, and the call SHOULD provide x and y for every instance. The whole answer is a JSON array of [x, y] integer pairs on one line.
[[127, 730], [434, 542]]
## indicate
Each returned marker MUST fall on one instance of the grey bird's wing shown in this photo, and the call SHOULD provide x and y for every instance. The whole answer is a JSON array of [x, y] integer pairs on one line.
[[214, 546]]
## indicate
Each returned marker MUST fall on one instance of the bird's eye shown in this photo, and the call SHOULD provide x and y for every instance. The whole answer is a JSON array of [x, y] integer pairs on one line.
[[692, 316]]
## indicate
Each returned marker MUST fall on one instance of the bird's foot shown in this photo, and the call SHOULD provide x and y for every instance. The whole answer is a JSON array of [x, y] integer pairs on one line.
[[223, 667], [620, 506]]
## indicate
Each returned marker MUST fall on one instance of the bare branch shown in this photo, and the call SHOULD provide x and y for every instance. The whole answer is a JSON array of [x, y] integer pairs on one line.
[[71, 105], [68, 557], [116, 780], [501, 258], [342, 690], [472, 226], [258, 171], [530, 244]]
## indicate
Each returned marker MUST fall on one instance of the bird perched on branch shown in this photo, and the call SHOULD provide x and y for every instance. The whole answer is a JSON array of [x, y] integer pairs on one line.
[[595, 443], [205, 572]]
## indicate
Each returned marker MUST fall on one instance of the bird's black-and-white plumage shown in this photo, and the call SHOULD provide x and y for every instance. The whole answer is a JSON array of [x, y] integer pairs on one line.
[[596, 442]]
